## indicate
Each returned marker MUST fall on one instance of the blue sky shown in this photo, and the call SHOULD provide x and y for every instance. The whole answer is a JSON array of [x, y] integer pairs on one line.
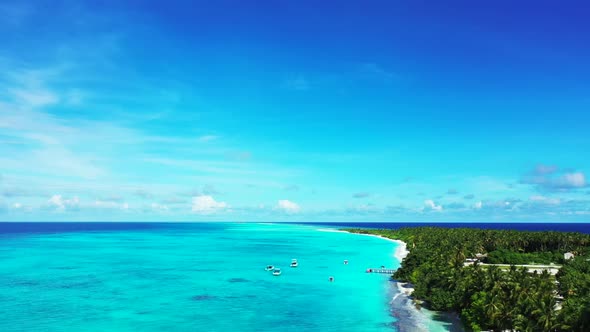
[[294, 110]]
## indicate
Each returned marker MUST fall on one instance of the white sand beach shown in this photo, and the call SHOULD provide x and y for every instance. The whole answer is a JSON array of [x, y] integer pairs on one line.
[[401, 251], [403, 306]]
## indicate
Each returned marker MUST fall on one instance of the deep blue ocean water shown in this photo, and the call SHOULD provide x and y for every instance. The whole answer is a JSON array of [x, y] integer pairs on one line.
[[49, 227]]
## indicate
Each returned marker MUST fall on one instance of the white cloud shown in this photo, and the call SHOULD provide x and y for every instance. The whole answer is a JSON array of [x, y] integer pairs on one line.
[[364, 208], [288, 206], [174, 200], [110, 204], [429, 205], [550, 178], [34, 97], [17, 206], [58, 160], [144, 194], [545, 169], [207, 138], [61, 204], [545, 200], [206, 204], [23, 120], [575, 180], [159, 207]]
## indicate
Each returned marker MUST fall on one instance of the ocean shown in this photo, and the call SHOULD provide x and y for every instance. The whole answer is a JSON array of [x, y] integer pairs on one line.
[[204, 277], [190, 277]]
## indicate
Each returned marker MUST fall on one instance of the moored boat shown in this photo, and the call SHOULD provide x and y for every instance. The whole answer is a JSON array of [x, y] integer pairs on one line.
[[294, 263], [269, 268], [276, 272]]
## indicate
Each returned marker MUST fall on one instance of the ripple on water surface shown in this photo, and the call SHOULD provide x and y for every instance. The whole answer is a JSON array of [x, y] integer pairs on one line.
[[194, 277]]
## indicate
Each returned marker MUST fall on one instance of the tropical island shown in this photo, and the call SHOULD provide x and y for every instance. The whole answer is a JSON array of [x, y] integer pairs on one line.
[[498, 279]]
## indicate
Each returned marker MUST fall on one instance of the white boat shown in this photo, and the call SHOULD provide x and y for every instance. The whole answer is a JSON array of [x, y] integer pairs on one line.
[[276, 272], [294, 263], [269, 268]]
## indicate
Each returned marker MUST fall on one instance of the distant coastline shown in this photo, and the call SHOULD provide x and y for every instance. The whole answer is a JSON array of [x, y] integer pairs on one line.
[[581, 227]]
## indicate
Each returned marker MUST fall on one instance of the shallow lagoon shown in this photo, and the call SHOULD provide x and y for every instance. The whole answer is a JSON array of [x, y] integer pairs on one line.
[[187, 277]]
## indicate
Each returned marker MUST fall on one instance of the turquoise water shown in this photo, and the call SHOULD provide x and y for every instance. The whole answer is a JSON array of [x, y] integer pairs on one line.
[[194, 277]]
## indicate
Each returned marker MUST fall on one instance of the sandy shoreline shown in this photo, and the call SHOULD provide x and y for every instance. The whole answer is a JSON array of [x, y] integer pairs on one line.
[[401, 251], [402, 305]]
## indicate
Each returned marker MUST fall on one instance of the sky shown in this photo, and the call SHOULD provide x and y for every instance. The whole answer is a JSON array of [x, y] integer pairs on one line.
[[291, 110]]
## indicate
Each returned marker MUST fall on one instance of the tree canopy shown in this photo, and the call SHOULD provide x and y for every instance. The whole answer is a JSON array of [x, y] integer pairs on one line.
[[491, 297]]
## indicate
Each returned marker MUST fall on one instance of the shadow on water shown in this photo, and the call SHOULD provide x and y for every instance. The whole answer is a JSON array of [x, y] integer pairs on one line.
[[203, 297]]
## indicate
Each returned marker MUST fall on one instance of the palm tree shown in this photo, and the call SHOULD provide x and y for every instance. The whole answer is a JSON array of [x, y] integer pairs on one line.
[[544, 313]]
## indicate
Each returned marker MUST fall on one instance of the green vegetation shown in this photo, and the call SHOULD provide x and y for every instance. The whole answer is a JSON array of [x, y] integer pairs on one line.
[[574, 284], [505, 256], [491, 298]]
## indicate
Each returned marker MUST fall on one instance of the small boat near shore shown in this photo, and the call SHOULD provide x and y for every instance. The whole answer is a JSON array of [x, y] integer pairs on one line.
[[294, 263], [269, 268], [276, 272]]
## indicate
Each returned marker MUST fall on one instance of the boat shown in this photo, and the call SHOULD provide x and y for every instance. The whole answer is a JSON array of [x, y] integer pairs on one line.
[[276, 272], [346, 262], [269, 268], [294, 263]]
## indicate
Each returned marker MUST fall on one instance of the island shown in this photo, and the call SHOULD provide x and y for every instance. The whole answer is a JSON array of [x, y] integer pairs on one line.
[[498, 279]]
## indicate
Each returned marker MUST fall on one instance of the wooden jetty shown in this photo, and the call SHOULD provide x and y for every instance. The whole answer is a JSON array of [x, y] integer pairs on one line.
[[380, 270]]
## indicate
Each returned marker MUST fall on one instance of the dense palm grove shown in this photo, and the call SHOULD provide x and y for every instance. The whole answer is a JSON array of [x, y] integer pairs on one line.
[[496, 298]]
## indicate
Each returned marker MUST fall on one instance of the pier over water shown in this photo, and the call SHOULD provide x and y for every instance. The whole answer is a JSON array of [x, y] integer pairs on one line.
[[380, 270]]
